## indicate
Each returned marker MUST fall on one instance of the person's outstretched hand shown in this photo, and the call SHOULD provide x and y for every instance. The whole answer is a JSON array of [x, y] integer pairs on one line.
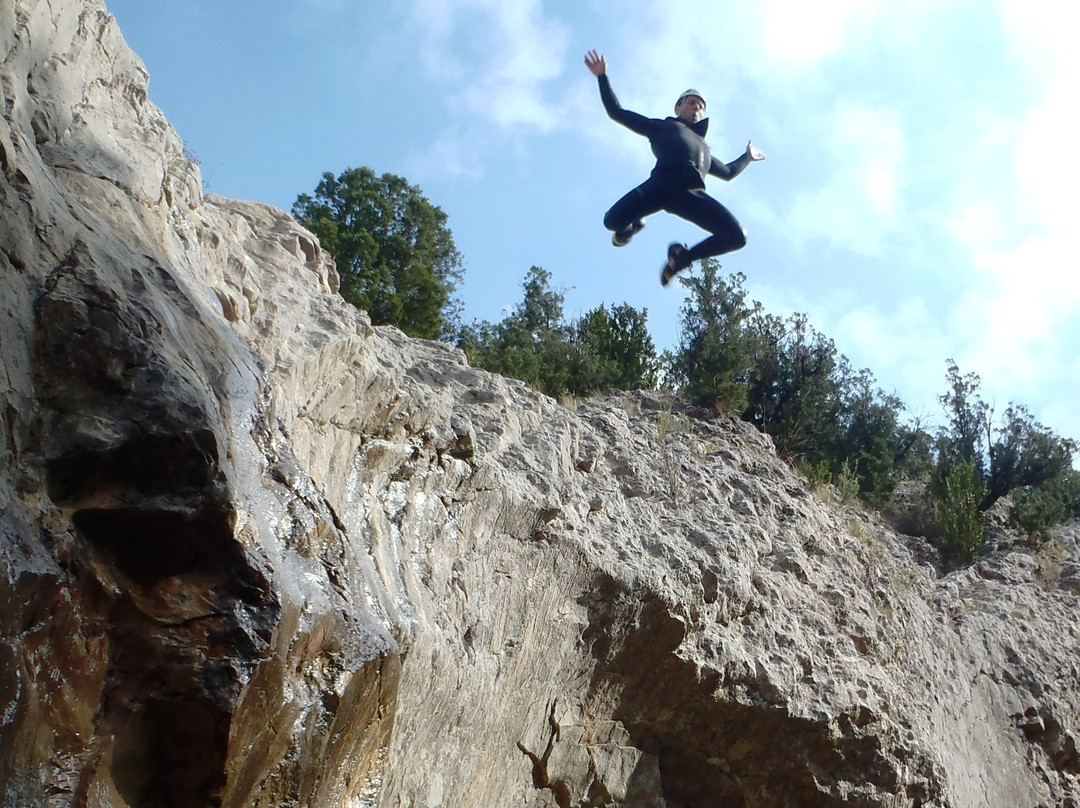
[[596, 63], [753, 152]]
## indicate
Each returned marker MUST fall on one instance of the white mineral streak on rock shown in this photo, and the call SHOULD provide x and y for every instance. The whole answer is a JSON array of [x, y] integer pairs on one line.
[[256, 552]]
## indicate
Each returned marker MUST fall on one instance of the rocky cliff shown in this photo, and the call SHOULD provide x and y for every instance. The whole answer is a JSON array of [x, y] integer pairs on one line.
[[256, 552]]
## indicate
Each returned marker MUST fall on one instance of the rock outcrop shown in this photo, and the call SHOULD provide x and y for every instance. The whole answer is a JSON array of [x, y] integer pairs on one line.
[[256, 552]]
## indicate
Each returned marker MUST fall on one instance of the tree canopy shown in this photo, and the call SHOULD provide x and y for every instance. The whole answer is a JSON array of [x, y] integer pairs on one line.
[[393, 249], [605, 349], [1011, 455], [787, 378]]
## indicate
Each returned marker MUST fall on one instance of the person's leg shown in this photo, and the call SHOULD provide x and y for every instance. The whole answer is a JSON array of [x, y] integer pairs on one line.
[[698, 207], [627, 216]]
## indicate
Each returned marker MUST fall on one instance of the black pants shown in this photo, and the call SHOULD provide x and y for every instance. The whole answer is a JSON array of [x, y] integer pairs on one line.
[[680, 192]]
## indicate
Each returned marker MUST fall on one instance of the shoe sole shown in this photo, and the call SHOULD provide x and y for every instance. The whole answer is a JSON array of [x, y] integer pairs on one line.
[[669, 271], [617, 242]]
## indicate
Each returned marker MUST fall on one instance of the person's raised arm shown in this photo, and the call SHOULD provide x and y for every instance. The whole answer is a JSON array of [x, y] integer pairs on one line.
[[597, 64]]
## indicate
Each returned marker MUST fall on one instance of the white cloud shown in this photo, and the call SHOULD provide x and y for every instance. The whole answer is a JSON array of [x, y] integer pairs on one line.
[[799, 33], [901, 343], [1047, 164], [1042, 33], [980, 221], [447, 156], [894, 337], [433, 23], [1047, 160], [1019, 320], [497, 57], [859, 204]]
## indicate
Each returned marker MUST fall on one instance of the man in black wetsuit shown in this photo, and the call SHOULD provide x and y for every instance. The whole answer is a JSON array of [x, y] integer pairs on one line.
[[677, 183]]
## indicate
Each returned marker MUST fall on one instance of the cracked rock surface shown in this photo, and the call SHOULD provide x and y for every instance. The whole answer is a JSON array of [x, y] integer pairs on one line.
[[256, 552]]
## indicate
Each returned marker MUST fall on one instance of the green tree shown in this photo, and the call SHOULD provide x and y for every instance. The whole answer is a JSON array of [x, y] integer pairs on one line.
[[605, 349], [967, 421], [1024, 454], [393, 249], [1017, 452], [612, 349], [1014, 455], [530, 344], [956, 494], [711, 364], [874, 441], [795, 387], [1036, 509], [788, 379]]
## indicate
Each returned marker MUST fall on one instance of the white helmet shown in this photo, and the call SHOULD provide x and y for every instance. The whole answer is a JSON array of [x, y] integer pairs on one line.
[[689, 93]]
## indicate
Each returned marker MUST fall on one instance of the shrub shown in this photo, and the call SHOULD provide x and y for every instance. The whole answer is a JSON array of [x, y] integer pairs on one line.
[[956, 495], [1036, 509], [605, 349]]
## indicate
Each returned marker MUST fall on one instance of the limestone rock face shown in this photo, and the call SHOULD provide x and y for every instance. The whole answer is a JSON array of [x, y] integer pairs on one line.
[[256, 552]]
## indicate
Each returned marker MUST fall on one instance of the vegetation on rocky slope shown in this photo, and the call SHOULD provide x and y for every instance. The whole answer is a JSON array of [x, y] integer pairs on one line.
[[832, 421]]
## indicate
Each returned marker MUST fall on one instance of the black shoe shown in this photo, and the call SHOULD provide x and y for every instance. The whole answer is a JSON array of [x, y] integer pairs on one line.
[[676, 263], [622, 237]]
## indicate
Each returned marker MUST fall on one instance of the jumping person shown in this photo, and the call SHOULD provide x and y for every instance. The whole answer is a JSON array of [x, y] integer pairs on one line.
[[677, 182]]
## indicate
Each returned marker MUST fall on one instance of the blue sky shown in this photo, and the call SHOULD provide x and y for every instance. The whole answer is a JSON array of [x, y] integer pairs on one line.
[[918, 202]]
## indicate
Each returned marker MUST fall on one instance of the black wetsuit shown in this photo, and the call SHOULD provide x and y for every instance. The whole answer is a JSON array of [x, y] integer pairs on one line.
[[677, 183]]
